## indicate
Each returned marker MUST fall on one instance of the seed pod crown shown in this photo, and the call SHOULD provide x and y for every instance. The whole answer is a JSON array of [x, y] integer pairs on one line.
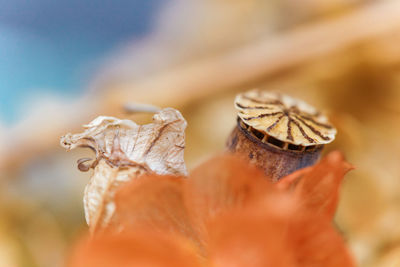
[[284, 119]]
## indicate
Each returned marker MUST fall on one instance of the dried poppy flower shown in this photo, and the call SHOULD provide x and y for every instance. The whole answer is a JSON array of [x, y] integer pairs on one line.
[[125, 150], [278, 133], [225, 214]]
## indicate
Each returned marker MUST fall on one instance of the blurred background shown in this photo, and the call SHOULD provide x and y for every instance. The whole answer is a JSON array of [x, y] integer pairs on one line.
[[62, 63]]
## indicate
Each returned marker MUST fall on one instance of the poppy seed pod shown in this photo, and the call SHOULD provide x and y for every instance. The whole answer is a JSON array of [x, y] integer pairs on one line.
[[278, 133]]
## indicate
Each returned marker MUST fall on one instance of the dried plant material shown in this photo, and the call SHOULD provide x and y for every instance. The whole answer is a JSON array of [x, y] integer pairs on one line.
[[125, 150], [275, 161], [285, 118], [98, 199], [157, 146], [278, 133], [239, 217]]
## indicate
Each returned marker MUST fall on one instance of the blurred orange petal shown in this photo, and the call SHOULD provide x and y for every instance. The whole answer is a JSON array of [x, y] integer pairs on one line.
[[129, 249], [276, 232], [220, 184], [154, 202], [224, 182], [232, 215], [254, 236], [318, 188], [316, 242], [290, 181]]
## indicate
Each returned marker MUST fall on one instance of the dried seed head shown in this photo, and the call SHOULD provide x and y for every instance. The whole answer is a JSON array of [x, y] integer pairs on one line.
[[284, 118], [278, 133]]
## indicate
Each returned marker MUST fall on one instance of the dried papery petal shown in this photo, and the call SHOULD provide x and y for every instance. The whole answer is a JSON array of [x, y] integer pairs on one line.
[[99, 193], [125, 150], [157, 146], [127, 249], [82, 166], [318, 188]]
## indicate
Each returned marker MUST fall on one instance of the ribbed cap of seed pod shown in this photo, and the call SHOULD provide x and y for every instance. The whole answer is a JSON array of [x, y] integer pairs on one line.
[[283, 121], [278, 133]]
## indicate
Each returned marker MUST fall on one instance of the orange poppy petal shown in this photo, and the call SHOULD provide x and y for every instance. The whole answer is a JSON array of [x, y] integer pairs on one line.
[[319, 187], [222, 183], [234, 215], [276, 232], [253, 236], [127, 249], [316, 242], [155, 202], [290, 181]]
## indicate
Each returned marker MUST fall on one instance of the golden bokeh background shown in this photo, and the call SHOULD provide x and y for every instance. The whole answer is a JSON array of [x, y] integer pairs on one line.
[[340, 56]]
